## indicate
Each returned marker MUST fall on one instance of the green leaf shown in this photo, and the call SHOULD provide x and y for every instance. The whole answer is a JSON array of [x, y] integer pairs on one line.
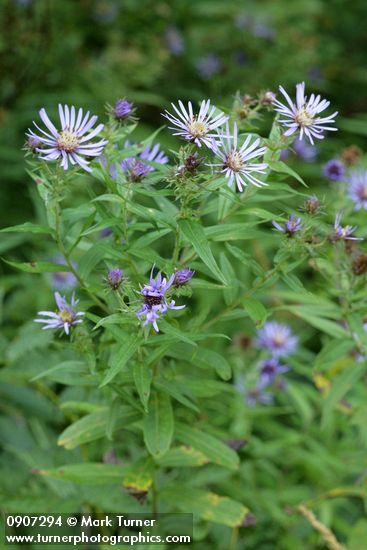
[[283, 168], [178, 334], [217, 451], [256, 311], [128, 348], [38, 267], [333, 351], [183, 457], [143, 379], [158, 425], [208, 506], [71, 373], [174, 390], [340, 386], [93, 426], [208, 358], [90, 473], [140, 475], [230, 291], [195, 235], [28, 228]]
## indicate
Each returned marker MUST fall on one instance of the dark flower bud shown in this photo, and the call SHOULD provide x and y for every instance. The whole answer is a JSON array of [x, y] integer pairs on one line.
[[114, 278], [359, 264], [183, 276]]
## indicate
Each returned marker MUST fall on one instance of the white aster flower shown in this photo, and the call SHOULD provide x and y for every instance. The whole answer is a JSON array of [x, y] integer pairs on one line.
[[303, 115], [197, 128], [71, 142], [235, 159]]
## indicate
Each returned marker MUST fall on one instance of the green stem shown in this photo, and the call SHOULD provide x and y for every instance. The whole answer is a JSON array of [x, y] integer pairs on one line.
[[65, 254]]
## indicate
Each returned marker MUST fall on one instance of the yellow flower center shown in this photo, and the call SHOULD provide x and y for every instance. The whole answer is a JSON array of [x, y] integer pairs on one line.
[[68, 141], [234, 161], [66, 316], [304, 118], [278, 339], [198, 129]]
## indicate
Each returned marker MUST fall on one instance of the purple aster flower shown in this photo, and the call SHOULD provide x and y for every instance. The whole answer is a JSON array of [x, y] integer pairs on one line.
[[358, 188], [106, 232], [334, 170], [343, 233], [235, 159], [209, 66], [182, 276], [269, 370], [123, 109], [114, 278], [291, 226], [175, 42], [303, 115], [257, 396], [138, 167], [261, 30], [197, 128], [70, 143], [278, 339], [304, 150], [65, 317], [155, 301], [63, 280]]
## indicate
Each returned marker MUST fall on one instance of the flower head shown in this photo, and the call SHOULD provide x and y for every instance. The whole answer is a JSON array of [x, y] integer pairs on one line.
[[269, 370], [357, 188], [235, 159], [122, 109], [182, 276], [291, 226], [334, 170], [175, 42], [267, 98], [114, 278], [278, 339], [155, 300], [257, 396], [199, 127], [70, 143], [343, 233], [62, 280], [303, 114], [209, 66], [138, 167], [64, 318]]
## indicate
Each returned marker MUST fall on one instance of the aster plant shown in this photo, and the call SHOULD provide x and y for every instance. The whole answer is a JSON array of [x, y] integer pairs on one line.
[[157, 390]]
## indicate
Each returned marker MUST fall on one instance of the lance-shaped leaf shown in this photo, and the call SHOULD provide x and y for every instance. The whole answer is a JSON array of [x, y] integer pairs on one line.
[[93, 426], [195, 235], [217, 451], [206, 505], [158, 425]]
